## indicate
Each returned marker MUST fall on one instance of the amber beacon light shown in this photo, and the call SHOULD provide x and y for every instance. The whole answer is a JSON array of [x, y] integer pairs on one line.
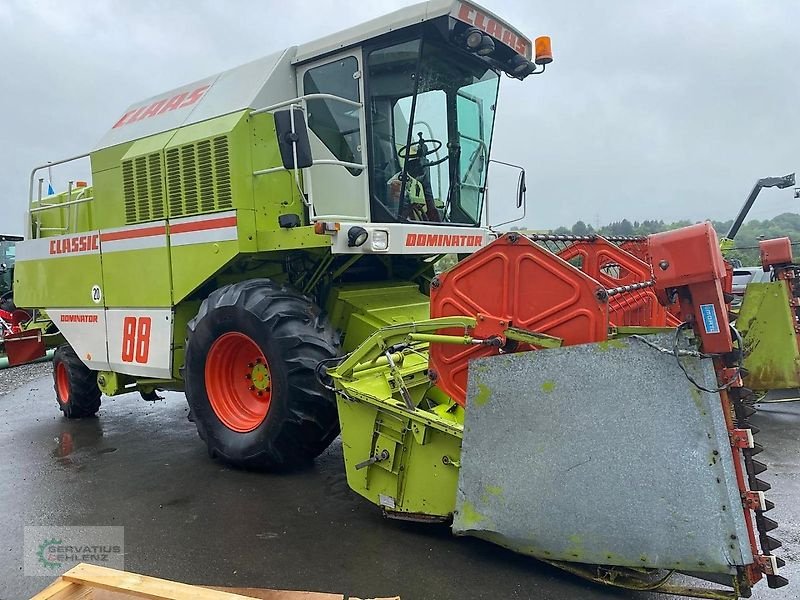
[[543, 50]]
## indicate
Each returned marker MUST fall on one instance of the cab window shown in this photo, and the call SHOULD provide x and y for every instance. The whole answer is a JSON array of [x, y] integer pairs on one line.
[[335, 123]]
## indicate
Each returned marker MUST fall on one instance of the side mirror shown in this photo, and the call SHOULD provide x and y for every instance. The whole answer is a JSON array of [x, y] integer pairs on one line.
[[503, 184], [290, 129], [521, 189]]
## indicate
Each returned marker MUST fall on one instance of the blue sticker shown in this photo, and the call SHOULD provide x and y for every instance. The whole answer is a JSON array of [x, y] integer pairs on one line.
[[710, 322]]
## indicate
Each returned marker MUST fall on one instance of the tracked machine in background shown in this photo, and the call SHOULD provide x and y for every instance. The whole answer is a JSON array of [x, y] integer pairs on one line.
[[264, 239]]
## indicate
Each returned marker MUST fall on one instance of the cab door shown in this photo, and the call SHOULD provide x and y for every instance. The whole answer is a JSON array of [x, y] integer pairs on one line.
[[338, 186]]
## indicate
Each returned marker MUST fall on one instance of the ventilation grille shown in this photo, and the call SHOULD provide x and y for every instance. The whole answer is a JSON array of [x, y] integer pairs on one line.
[[143, 188], [199, 177]]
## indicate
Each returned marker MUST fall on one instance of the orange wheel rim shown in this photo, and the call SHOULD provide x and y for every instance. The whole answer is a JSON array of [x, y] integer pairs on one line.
[[238, 382], [62, 382]]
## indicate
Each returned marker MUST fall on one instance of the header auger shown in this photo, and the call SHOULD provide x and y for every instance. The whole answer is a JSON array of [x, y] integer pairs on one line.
[[264, 240]]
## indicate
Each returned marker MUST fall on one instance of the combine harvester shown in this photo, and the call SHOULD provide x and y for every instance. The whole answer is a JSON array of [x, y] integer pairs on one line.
[[264, 239]]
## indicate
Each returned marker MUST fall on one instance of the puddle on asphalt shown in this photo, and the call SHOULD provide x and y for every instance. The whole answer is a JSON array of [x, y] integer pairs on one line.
[[81, 436]]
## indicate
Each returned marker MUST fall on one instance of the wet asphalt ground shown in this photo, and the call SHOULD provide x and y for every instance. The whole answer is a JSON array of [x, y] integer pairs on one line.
[[188, 518]]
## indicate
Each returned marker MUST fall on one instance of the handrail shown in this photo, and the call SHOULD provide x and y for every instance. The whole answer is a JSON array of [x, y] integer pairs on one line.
[[476, 154], [29, 222], [45, 166], [343, 163], [62, 204], [273, 107], [322, 161]]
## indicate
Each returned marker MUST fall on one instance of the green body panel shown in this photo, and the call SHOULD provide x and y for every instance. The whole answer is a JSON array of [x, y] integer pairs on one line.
[[290, 239], [194, 265], [108, 188], [414, 479], [360, 309], [276, 193], [767, 324], [152, 289], [69, 281], [419, 445]]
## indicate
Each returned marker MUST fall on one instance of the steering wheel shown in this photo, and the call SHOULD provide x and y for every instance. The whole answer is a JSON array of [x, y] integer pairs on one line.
[[436, 145]]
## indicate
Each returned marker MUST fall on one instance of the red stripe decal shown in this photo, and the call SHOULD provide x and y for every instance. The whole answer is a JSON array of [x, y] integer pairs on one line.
[[130, 234], [203, 225]]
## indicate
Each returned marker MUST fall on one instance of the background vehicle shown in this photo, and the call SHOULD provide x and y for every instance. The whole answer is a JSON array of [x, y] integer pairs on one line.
[[7, 259], [742, 277], [10, 318]]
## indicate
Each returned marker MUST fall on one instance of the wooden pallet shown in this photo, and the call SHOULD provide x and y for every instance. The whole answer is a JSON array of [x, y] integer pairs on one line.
[[91, 582]]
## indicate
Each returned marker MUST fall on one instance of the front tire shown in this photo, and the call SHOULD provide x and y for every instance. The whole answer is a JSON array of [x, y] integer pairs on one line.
[[251, 353], [77, 393]]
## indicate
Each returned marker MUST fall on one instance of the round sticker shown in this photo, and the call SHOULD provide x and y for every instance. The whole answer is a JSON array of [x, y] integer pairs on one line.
[[97, 294]]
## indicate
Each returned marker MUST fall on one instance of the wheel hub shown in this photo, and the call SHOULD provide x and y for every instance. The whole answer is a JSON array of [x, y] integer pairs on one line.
[[259, 375]]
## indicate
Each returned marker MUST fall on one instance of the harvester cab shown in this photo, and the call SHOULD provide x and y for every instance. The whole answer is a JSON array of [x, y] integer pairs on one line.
[[409, 116]]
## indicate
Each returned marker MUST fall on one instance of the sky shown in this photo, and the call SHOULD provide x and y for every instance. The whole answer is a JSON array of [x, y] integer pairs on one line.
[[667, 110]]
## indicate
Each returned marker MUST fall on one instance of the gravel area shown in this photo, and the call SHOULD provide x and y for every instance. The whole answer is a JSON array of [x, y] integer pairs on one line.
[[14, 377]]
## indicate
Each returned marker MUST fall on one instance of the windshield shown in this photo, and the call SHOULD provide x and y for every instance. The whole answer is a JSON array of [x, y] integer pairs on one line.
[[431, 116], [8, 253]]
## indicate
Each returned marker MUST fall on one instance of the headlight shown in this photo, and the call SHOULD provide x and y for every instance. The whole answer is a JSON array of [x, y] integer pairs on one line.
[[380, 240], [356, 236]]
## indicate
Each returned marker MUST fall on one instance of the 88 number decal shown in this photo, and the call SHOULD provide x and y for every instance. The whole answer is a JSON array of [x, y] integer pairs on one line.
[[136, 339]]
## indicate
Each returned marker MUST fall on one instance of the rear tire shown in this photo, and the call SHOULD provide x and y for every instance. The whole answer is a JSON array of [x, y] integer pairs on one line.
[[251, 353], [77, 393]]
